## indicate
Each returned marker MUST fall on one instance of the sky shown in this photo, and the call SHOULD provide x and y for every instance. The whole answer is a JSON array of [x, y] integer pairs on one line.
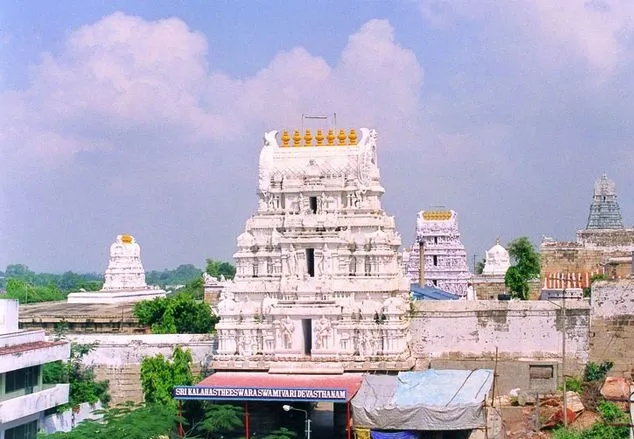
[[147, 117]]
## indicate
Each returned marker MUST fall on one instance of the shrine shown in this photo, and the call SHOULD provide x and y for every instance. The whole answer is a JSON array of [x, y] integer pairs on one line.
[[445, 258], [124, 277], [319, 286], [603, 248], [496, 261]]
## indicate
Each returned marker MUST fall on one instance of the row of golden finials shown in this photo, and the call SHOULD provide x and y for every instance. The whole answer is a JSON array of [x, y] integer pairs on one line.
[[342, 138]]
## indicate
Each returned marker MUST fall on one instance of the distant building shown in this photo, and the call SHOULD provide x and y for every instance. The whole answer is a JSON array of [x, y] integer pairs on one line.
[[497, 260], [23, 396], [491, 282], [604, 247], [605, 213], [124, 277], [445, 256]]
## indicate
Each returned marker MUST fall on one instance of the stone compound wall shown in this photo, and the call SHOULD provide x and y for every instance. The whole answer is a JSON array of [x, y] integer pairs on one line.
[[527, 334], [117, 358], [587, 256], [612, 329], [488, 287]]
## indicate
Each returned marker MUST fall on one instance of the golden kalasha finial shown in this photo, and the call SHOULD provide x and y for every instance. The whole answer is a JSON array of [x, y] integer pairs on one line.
[[342, 137], [330, 137], [296, 138], [319, 137], [353, 137], [285, 138], [308, 138]]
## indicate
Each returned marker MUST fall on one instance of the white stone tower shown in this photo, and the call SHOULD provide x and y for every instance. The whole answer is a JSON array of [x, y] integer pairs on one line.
[[445, 256], [124, 279], [125, 270], [497, 261], [318, 270]]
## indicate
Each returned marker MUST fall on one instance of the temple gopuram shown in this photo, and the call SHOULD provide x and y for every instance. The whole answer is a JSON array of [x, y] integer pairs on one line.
[[604, 247], [445, 259], [319, 284]]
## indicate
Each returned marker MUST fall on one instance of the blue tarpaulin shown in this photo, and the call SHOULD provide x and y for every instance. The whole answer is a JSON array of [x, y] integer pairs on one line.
[[427, 292], [425, 400], [394, 434]]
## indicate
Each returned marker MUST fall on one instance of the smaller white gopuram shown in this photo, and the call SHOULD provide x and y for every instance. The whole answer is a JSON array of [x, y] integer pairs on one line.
[[497, 261], [124, 277]]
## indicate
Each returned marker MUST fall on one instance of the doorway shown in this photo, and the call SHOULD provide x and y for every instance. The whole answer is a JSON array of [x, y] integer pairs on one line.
[[307, 327]]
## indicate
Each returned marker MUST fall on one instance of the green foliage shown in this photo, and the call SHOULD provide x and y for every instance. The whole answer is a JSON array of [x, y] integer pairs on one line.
[[194, 288], [143, 421], [611, 414], [597, 372], [177, 313], [562, 433], [587, 291], [27, 293], [479, 267], [281, 433], [218, 268], [516, 283], [159, 376], [574, 384], [181, 275], [84, 386], [526, 267], [221, 419], [29, 287]]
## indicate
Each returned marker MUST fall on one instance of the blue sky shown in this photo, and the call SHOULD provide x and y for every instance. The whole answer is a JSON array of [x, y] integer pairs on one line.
[[146, 117]]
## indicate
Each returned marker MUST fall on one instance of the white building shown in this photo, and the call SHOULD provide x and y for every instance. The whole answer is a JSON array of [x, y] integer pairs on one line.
[[319, 276], [445, 256], [124, 277], [496, 261], [23, 396]]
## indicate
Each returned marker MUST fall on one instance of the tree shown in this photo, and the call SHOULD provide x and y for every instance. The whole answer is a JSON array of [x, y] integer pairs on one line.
[[218, 268], [181, 275], [159, 375], [25, 292], [526, 267], [84, 386], [19, 271], [221, 418], [479, 268], [178, 313], [281, 433], [130, 421]]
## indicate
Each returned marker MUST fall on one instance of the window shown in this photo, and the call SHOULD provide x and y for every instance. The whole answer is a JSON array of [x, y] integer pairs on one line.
[[310, 261], [312, 201], [26, 378], [540, 371], [541, 377], [435, 240], [24, 431], [435, 260]]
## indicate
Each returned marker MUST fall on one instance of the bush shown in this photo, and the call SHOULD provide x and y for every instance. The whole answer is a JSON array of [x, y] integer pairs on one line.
[[84, 386], [178, 313], [597, 372]]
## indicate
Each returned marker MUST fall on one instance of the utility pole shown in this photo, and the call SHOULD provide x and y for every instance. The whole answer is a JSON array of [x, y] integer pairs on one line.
[[563, 358], [631, 411]]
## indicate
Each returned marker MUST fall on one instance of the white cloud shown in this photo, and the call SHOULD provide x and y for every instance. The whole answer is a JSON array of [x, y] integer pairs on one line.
[[124, 74], [596, 31]]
